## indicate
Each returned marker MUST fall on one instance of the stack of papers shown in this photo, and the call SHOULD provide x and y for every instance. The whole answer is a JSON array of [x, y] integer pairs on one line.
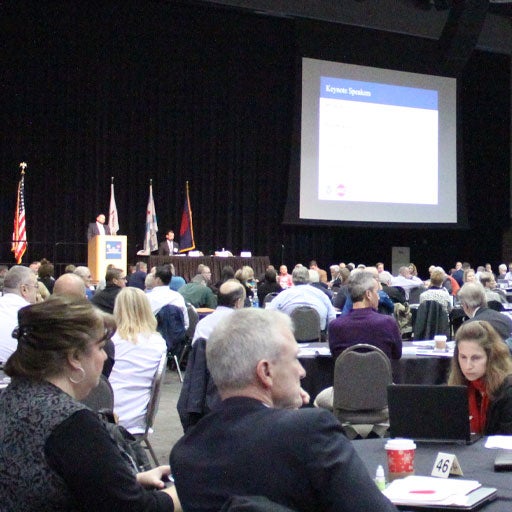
[[421, 490]]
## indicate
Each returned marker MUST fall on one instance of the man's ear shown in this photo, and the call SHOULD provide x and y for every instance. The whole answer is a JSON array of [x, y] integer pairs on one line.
[[264, 373]]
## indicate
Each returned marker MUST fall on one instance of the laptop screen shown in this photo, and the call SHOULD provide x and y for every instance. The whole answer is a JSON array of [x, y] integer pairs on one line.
[[429, 412]]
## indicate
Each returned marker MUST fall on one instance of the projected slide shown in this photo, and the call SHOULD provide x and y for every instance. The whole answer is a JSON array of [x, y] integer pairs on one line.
[[400, 125], [376, 146]]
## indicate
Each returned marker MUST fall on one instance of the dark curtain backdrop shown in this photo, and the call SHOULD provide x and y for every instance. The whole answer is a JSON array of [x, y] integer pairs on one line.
[[172, 91]]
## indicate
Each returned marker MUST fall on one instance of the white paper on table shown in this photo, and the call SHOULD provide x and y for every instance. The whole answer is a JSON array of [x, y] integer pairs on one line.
[[426, 489], [314, 351], [504, 442]]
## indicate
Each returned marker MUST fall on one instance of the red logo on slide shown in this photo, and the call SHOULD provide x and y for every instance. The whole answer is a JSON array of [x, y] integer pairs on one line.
[[340, 190]]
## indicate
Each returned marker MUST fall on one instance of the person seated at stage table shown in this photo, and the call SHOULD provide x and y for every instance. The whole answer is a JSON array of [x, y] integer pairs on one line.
[[303, 294], [115, 280], [436, 291], [268, 285], [492, 292], [363, 324], [472, 300], [139, 349], [169, 247], [257, 442], [198, 294], [68, 461], [482, 362]]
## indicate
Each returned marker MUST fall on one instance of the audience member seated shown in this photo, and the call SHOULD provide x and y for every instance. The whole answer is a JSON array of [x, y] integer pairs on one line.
[[268, 285], [139, 349], [363, 324], [386, 306], [406, 281], [20, 290], [231, 296], [241, 275], [85, 274], [198, 294], [335, 281], [481, 361], [177, 281], [284, 279], [502, 272], [138, 278], [413, 270], [161, 295], [302, 461], [395, 293], [226, 273], [322, 273], [458, 274], [314, 280], [69, 461], [436, 291], [341, 296], [115, 280], [472, 300], [46, 274], [490, 288], [303, 294], [468, 276]]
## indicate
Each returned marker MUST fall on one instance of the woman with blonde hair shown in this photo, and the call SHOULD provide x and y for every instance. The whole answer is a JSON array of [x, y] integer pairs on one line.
[[482, 362], [139, 349]]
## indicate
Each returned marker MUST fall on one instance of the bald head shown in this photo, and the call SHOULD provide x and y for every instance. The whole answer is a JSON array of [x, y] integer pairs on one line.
[[231, 294], [70, 285]]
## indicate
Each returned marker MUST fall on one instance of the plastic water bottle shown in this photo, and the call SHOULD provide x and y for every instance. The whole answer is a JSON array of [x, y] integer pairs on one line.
[[255, 301]]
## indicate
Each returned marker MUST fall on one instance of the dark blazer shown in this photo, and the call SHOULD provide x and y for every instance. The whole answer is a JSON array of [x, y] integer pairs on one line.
[[297, 458], [502, 323], [499, 414], [163, 248], [93, 230]]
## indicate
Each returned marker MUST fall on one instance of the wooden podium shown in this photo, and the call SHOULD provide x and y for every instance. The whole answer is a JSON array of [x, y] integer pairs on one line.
[[104, 250]]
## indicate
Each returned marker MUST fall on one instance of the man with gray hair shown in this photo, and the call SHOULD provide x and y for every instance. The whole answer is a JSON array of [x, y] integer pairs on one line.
[[472, 299], [20, 290], [256, 442], [85, 274], [303, 294]]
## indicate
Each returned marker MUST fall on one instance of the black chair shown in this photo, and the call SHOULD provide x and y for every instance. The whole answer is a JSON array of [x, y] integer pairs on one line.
[[496, 305], [414, 294], [171, 325], [193, 319], [269, 298]]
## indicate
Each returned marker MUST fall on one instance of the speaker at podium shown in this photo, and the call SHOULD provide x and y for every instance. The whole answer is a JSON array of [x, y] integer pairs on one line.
[[104, 250]]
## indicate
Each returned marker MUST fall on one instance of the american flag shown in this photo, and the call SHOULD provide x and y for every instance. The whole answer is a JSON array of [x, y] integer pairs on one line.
[[19, 235]]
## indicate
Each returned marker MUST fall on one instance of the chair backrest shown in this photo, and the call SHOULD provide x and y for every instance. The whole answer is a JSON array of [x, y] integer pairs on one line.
[[171, 325], [362, 374], [101, 397], [269, 297], [154, 398], [193, 319], [431, 319], [414, 294], [496, 305], [306, 321]]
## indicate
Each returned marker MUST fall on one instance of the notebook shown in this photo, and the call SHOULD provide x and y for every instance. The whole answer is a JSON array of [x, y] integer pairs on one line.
[[430, 413]]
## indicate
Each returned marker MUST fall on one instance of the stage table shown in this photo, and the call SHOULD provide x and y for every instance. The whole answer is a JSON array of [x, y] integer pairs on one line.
[[409, 369], [186, 266], [475, 460]]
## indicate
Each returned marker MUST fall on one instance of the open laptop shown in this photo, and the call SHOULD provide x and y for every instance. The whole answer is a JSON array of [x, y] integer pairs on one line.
[[430, 413]]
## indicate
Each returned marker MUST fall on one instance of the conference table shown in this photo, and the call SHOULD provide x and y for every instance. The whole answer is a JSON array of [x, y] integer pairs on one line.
[[475, 460], [186, 266], [409, 369]]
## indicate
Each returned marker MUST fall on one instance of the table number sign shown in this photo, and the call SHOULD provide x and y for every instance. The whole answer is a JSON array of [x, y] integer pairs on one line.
[[446, 464]]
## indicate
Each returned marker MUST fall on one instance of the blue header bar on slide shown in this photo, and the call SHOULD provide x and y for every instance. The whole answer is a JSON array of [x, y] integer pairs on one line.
[[368, 92]]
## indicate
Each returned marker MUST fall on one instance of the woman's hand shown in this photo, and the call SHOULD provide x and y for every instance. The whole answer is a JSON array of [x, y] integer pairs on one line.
[[153, 477]]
